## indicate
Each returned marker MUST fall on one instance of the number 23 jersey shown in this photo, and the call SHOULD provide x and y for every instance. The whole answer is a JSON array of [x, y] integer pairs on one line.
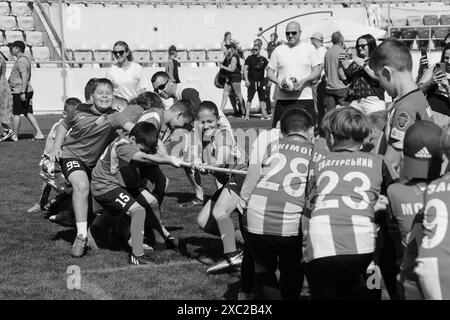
[[345, 187]]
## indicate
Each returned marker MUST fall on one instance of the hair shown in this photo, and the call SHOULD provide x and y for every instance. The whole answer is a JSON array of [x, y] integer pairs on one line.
[[325, 125], [446, 47], [349, 124], [148, 100], [393, 53], [258, 42], [225, 35], [89, 88], [336, 37], [172, 49], [445, 141], [147, 134], [158, 74], [125, 45], [446, 37], [275, 36], [377, 119], [371, 43], [102, 81], [71, 102], [185, 107], [210, 106], [295, 120]]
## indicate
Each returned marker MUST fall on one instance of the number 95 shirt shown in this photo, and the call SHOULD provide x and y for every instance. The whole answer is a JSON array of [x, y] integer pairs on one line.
[[345, 187]]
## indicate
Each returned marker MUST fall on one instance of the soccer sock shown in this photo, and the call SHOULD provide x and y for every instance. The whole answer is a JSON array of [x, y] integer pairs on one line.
[[211, 226], [137, 230], [82, 229], [238, 236], [226, 228]]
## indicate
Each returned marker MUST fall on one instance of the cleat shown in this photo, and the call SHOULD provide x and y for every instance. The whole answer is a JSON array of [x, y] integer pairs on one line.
[[79, 246], [35, 208], [140, 260], [145, 246], [196, 202], [7, 133], [231, 261]]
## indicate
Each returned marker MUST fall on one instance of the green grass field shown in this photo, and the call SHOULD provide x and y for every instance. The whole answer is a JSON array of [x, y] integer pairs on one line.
[[35, 252]]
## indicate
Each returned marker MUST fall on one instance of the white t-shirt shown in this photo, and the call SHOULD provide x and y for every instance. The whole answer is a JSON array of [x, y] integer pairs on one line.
[[294, 62], [127, 82]]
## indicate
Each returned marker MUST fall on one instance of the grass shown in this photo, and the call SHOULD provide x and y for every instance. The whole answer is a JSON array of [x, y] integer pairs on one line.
[[35, 252]]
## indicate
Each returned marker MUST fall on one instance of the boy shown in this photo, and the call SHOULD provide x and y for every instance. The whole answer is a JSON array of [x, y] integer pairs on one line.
[[434, 257], [274, 195], [391, 62], [92, 127]]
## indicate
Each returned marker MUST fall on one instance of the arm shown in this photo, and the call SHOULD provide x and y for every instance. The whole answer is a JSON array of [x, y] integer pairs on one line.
[[315, 74], [271, 76], [24, 75], [247, 82], [162, 150], [393, 156], [153, 158], [59, 140], [232, 66]]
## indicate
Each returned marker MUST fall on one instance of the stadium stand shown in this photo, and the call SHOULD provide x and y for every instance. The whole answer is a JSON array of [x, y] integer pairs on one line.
[[20, 9], [41, 54], [25, 23], [4, 8], [34, 38]]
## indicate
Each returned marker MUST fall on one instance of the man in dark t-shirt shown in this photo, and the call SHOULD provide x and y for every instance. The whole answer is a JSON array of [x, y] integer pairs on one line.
[[254, 70]]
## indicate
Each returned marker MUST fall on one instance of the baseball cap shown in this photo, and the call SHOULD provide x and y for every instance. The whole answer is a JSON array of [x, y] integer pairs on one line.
[[422, 151], [17, 43], [317, 35]]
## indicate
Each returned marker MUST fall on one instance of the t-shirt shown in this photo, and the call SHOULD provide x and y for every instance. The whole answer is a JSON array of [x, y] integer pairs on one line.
[[331, 67], [277, 201], [346, 186], [256, 67], [91, 131], [294, 62], [115, 168], [127, 82], [20, 70], [433, 260]]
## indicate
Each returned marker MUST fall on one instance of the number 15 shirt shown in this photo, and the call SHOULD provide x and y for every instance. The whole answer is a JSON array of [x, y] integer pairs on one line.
[[345, 187]]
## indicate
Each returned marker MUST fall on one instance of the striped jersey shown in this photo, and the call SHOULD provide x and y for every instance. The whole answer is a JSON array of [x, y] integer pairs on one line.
[[433, 262], [277, 201], [345, 188]]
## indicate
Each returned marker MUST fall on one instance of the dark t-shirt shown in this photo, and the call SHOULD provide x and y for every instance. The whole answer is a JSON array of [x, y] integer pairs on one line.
[[256, 66]]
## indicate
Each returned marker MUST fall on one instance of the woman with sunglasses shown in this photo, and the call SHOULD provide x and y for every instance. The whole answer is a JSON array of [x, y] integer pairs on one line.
[[126, 75], [365, 93]]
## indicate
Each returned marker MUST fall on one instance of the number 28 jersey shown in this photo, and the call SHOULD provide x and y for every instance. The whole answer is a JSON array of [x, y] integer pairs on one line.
[[345, 187], [276, 203]]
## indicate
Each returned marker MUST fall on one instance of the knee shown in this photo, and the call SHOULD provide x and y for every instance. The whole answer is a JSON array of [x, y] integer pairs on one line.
[[136, 210], [81, 186]]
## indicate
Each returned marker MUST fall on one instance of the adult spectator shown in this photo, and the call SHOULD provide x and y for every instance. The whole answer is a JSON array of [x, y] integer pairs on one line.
[[5, 102], [365, 93], [125, 74], [273, 43], [298, 60], [227, 40], [254, 70], [21, 89], [232, 66], [319, 86], [172, 65], [336, 88]]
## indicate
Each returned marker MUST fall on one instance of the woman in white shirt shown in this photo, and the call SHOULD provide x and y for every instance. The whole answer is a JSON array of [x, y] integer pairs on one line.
[[126, 75]]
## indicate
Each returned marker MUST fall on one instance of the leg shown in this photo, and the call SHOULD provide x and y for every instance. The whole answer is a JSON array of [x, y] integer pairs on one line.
[[262, 97], [153, 216], [16, 125], [250, 95], [291, 273], [35, 125], [279, 108], [137, 214], [248, 264], [226, 93], [205, 218], [237, 90]]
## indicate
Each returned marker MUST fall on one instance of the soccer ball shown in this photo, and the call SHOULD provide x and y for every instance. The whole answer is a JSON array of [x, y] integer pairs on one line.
[[288, 84]]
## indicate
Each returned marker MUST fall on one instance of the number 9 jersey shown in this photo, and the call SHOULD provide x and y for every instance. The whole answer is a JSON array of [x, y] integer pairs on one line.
[[344, 189], [433, 261]]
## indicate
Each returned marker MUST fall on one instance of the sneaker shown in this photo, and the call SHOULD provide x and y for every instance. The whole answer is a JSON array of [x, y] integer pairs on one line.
[[231, 261], [7, 133], [145, 246], [79, 246], [140, 260], [190, 204], [35, 208]]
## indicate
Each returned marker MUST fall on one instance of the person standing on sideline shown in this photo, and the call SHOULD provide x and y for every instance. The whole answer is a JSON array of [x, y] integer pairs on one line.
[[21, 89], [173, 65], [5, 102], [298, 60], [125, 74], [273, 43], [336, 88], [319, 86]]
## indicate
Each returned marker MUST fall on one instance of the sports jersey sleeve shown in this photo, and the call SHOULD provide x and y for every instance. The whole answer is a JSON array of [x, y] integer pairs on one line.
[[401, 121], [118, 119], [126, 152], [132, 112], [152, 117]]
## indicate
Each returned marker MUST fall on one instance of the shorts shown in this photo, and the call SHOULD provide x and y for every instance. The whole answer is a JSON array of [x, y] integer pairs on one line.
[[69, 165], [235, 77], [257, 86], [22, 107], [117, 201], [232, 182]]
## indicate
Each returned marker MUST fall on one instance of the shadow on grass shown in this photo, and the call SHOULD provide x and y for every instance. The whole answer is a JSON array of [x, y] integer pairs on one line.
[[67, 235], [25, 136], [232, 291], [180, 196], [201, 247]]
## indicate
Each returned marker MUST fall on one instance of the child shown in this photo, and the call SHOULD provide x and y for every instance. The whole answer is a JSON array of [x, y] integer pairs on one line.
[[118, 186], [377, 123], [392, 63], [434, 257], [422, 158], [274, 195], [50, 171], [339, 234], [92, 127]]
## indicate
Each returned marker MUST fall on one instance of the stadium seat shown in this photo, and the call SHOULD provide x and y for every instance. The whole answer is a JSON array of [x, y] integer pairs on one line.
[[399, 22], [414, 21], [41, 53], [396, 33], [439, 33], [20, 9], [103, 56], [12, 36], [430, 20], [8, 23], [182, 55], [84, 55], [34, 38], [142, 56], [215, 55], [25, 23], [445, 20], [423, 33], [409, 34], [197, 55], [160, 55], [4, 9], [6, 52]]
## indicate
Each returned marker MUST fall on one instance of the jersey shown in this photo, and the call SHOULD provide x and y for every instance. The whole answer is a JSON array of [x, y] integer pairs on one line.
[[433, 260], [319, 151], [277, 201], [90, 133], [405, 201], [346, 186]]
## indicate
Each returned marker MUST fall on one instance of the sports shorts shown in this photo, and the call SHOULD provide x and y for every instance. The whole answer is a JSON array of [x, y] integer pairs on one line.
[[118, 201], [69, 165], [22, 107]]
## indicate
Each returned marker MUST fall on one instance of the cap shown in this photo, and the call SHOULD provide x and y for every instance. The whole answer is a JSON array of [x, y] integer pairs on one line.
[[422, 151], [17, 43], [317, 35]]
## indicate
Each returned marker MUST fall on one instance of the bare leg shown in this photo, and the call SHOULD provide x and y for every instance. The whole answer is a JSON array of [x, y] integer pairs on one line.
[[226, 92], [16, 125], [237, 90], [196, 182], [35, 125], [262, 106]]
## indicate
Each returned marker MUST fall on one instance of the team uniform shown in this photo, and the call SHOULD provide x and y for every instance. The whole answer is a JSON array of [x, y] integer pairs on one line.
[[433, 260]]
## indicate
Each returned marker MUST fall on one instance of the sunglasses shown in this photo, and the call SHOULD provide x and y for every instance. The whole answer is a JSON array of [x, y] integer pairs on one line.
[[162, 86], [119, 53], [291, 33], [362, 46], [254, 50]]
